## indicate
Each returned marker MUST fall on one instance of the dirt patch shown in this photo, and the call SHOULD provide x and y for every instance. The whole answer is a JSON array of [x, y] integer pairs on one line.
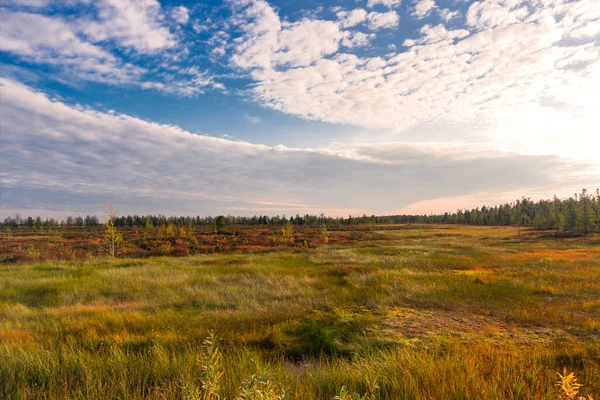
[[409, 324]]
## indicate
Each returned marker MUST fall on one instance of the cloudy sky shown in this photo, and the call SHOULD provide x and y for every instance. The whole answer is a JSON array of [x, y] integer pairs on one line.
[[283, 107]]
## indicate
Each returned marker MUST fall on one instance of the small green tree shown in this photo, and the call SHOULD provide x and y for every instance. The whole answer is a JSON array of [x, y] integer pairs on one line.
[[113, 237], [191, 236], [324, 236], [149, 230], [288, 232], [170, 231]]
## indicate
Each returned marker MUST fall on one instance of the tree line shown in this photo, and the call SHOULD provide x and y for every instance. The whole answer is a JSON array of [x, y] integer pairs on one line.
[[579, 214]]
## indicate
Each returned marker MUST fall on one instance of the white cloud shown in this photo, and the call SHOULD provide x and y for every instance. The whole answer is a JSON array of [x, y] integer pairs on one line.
[[492, 13], [189, 82], [267, 42], [135, 24], [580, 20], [89, 156], [130, 24], [181, 15], [374, 20], [198, 27], [51, 41], [448, 15], [434, 34], [352, 17], [357, 39], [387, 20], [386, 3], [82, 47], [253, 120], [423, 8], [303, 42], [447, 78]]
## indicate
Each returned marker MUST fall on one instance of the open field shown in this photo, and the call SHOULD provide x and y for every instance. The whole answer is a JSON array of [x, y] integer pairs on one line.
[[401, 312]]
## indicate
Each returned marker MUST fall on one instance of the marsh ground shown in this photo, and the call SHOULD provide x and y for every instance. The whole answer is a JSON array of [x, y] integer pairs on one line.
[[442, 312]]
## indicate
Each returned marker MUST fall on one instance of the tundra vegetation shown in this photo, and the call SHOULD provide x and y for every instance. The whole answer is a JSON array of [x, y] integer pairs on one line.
[[151, 235], [301, 312]]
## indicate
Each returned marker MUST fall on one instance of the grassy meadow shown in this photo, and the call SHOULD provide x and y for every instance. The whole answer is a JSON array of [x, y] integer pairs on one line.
[[430, 312]]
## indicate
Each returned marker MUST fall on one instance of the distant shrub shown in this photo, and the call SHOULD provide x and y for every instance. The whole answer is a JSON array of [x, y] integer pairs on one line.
[[165, 249], [181, 251], [32, 254]]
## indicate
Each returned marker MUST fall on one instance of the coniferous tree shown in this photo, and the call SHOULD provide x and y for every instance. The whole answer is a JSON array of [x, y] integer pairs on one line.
[[586, 218], [571, 215], [597, 209], [220, 225]]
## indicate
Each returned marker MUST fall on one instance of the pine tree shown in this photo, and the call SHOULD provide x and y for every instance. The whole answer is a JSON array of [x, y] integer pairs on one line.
[[586, 211], [597, 209], [571, 215], [220, 225], [557, 215]]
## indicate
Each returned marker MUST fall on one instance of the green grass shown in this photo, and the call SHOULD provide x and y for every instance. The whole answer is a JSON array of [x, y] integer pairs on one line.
[[419, 315]]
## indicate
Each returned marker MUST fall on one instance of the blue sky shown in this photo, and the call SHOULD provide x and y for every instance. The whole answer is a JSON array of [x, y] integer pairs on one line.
[[253, 106]]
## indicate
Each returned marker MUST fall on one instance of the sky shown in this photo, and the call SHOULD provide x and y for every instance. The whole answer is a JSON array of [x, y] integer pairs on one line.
[[247, 107]]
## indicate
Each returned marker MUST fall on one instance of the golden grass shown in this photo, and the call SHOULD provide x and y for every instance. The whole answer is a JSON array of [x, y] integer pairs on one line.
[[17, 336]]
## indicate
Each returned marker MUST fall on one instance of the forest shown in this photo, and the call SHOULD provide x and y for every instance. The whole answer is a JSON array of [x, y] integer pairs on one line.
[[576, 215]]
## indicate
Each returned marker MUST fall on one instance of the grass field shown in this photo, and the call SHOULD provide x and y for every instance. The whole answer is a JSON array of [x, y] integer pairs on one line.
[[444, 312]]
